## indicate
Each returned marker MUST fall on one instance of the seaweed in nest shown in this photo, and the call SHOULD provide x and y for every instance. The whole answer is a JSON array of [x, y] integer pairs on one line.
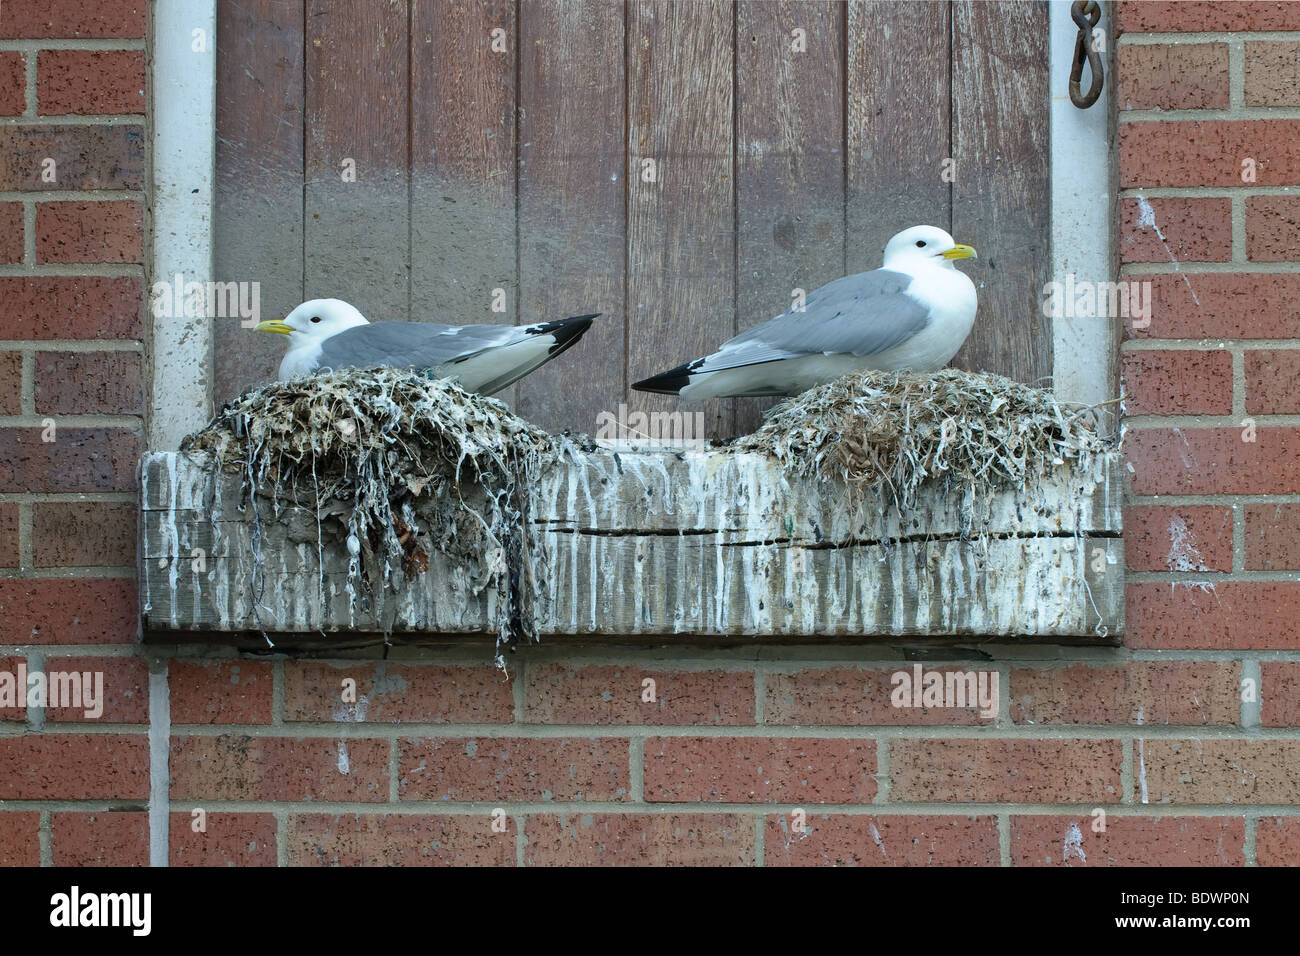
[[968, 431], [393, 463]]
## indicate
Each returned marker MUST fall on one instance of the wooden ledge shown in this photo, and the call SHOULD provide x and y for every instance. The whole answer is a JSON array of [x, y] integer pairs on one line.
[[703, 543]]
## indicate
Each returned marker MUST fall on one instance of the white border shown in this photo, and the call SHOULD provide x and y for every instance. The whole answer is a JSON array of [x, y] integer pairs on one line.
[[184, 122], [1083, 348]]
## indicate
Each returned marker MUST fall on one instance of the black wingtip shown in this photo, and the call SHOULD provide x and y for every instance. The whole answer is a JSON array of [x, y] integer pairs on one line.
[[566, 331], [670, 382]]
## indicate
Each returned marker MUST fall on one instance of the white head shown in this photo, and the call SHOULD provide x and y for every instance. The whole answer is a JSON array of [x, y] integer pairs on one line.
[[314, 320], [924, 245]]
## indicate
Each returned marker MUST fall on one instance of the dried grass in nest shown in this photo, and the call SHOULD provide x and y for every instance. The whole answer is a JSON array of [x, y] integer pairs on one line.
[[899, 430], [393, 463]]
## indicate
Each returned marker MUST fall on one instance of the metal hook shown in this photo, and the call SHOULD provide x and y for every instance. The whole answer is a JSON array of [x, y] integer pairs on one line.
[[1086, 14]]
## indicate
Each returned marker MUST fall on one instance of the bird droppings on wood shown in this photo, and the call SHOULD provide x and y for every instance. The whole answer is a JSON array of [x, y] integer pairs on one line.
[[952, 504]]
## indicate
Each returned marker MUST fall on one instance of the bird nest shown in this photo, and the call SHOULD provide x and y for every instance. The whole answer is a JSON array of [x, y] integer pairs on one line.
[[392, 463], [898, 431]]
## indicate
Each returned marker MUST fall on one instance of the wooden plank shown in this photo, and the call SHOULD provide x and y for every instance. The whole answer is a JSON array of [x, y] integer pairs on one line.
[[899, 102], [572, 203], [257, 208], [711, 543], [681, 229], [789, 159], [357, 244], [1001, 198], [463, 146]]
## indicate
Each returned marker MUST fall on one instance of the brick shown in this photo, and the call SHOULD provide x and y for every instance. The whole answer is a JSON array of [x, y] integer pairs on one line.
[[1279, 694], [235, 767], [11, 232], [1173, 76], [1272, 537], [13, 83], [69, 611], [568, 694], [1192, 461], [89, 232], [1226, 305], [853, 696], [1217, 771], [1208, 153], [504, 768], [1175, 692], [1185, 230], [74, 767], [1177, 382], [228, 839], [319, 839], [393, 693], [1178, 538], [1272, 228], [639, 839], [20, 843], [1229, 615], [893, 840], [1277, 841], [1128, 841], [1005, 771], [84, 534], [78, 460], [1272, 74], [58, 19], [9, 667], [90, 82], [71, 307], [1178, 16], [11, 383], [83, 383], [100, 839], [759, 770], [1273, 381], [106, 156], [8, 536], [125, 689], [220, 692]]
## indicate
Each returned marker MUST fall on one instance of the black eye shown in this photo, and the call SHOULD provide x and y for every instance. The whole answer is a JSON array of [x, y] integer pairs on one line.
[[316, 318], [920, 244]]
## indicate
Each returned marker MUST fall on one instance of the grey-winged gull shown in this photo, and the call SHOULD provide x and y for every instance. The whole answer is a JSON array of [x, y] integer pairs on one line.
[[913, 313], [332, 334]]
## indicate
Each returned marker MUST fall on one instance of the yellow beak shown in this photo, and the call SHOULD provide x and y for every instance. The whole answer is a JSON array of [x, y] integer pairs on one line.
[[274, 325], [961, 252]]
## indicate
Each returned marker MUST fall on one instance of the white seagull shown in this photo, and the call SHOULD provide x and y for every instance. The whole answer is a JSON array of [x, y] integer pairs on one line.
[[332, 334], [913, 313]]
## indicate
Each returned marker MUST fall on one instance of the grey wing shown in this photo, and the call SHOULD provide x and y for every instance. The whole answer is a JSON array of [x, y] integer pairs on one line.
[[412, 344], [862, 314]]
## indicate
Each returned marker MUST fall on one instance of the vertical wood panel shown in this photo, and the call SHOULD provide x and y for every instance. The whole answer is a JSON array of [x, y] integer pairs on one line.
[[463, 161], [790, 161], [1002, 196], [358, 233], [257, 213], [681, 231], [899, 98], [572, 203]]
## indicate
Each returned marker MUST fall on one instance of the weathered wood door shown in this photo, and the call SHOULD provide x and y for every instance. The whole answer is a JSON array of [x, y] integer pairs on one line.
[[680, 167]]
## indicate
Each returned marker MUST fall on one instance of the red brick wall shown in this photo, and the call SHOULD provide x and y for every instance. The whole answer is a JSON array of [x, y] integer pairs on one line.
[[73, 174], [1155, 733]]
